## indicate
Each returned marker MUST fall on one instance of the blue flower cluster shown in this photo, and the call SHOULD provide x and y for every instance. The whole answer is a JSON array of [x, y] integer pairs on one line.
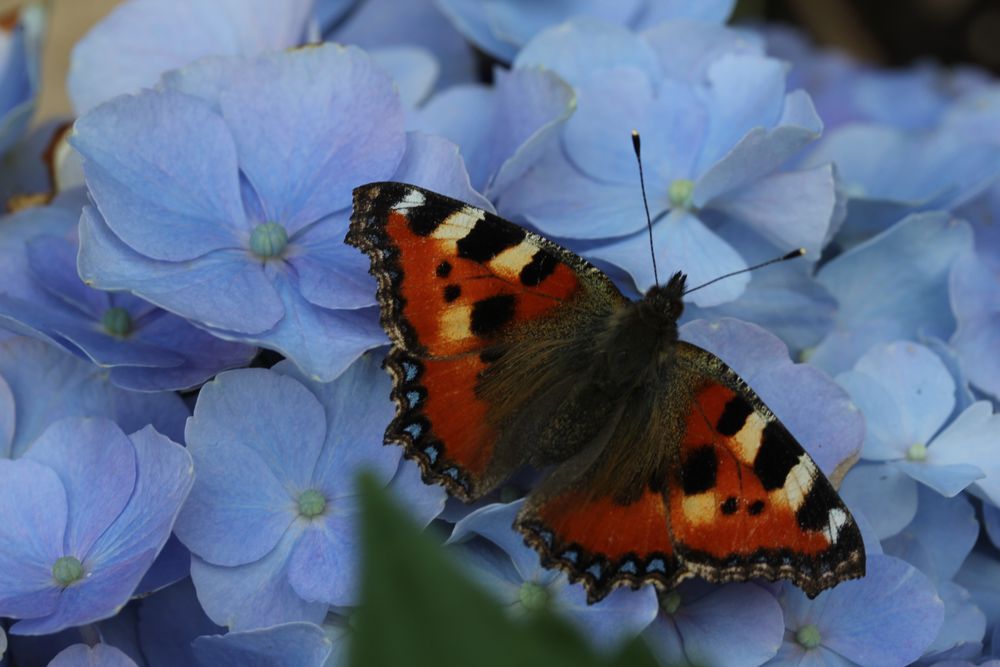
[[174, 492]]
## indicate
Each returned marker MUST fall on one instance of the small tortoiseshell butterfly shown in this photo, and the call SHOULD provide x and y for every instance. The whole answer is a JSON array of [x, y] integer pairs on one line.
[[508, 349]]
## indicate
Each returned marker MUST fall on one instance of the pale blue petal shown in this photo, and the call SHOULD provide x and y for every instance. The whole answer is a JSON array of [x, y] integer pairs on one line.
[[414, 71], [495, 523], [682, 243], [435, 163], [423, 502], [578, 48], [331, 273], [517, 23], [33, 529], [324, 565], [884, 494], [101, 655], [964, 624], [686, 49], [980, 575], [972, 439], [708, 11], [137, 41], [623, 614], [158, 193], [285, 645], [940, 536], [333, 120], [469, 19], [891, 287], [254, 595], [7, 419], [947, 479], [96, 464], [249, 303]]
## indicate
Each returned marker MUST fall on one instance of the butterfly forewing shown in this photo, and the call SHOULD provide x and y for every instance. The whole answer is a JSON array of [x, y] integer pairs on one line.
[[459, 288]]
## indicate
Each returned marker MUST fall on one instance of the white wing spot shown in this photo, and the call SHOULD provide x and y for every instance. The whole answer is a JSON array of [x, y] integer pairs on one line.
[[836, 520], [412, 199]]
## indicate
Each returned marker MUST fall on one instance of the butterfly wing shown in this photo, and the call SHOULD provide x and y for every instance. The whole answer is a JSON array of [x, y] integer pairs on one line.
[[746, 500], [722, 491], [464, 294]]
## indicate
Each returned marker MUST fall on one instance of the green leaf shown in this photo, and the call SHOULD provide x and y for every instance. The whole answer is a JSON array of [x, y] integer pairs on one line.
[[419, 609]]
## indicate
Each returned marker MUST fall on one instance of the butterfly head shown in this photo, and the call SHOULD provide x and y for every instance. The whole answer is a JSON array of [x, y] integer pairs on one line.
[[663, 304]]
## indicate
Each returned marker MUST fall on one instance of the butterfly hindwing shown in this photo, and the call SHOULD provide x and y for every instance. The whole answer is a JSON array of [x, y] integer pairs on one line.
[[746, 500], [459, 288]]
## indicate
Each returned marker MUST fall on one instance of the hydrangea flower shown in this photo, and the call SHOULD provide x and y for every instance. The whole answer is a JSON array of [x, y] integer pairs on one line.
[[892, 287], [713, 150], [145, 347], [40, 384], [494, 554], [272, 519], [20, 53], [887, 618], [87, 510], [249, 251], [906, 395], [502, 28]]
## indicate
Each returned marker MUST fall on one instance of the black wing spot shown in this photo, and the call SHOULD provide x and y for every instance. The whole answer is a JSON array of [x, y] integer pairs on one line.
[[734, 416], [777, 455], [541, 266], [814, 514], [443, 269], [485, 241], [698, 470], [729, 506], [756, 507], [492, 314], [452, 292]]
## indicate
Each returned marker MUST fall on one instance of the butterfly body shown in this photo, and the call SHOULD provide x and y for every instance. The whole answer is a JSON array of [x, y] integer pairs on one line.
[[662, 464]]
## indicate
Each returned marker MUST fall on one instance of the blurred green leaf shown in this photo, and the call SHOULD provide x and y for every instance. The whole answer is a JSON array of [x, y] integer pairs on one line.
[[418, 608]]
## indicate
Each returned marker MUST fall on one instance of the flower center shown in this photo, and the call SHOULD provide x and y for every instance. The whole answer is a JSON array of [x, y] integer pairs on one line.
[[66, 570], [670, 602], [311, 503], [533, 596], [808, 636], [268, 240], [680, 192], [117, 322], [917, 452]]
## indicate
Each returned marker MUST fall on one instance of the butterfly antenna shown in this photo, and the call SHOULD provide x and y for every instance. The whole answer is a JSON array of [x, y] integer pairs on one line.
[[645, 203], [784, 258]]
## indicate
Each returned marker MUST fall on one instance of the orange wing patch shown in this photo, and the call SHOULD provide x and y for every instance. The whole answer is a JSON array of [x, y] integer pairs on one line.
[[601, 542]]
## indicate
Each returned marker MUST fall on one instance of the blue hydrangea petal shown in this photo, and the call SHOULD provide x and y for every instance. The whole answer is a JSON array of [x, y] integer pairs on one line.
[[285, 645], [495, 523], [885, 495], [49, 384], [971, 440], [33, 528], [682, 242], [311, 93], [511, 23], [947, 354], [808, 202], [884, 298], [353, 438], [791, 653], [974, 341], [621, 615], [583, 45], [325, 563], [670, 118], [964, 626], [686, 49], [52, 263], [166, 474], [991, 522], [254, 595], [82, 655], [414, 71], [980, 575], [172, 565], [940, 537], [19, 228], [813, 407], [490, 567], [563, 203], [739, 625], [707, 11], [887, 618], [948, 480], [20, 74], [469, 19], [249, 305], [434, 163], [158, 194], [423, 502], [168, 621], [97, 466], [137, 41], [331, 273], [7, 419]]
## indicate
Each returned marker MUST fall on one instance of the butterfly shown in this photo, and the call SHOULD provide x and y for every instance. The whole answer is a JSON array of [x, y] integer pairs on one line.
[[509, 350]]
